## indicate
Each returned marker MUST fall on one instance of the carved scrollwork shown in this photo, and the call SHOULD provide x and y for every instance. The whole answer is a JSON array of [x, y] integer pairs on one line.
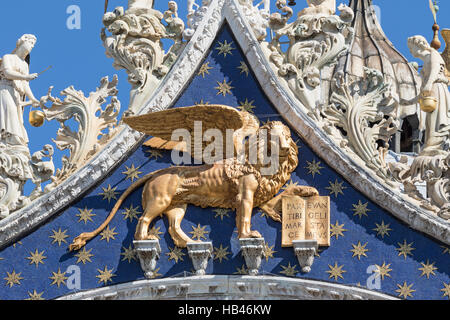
[[42, 170], [96, 125], [16, 168], [435, 171], [440, 195], [315, 41], [256, 17], [446, 54], [361, 116], [135, 45], [194, 17]]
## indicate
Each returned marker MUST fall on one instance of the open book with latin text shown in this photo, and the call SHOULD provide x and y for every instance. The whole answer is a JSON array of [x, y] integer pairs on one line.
[[306, 219]]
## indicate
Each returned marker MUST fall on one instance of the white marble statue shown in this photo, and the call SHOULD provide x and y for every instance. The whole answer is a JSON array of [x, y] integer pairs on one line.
[[195, 16], [14, 88], [16, 164], [133, 37], [325, 7], [140, 4], [435, 84], [191, 5], [257, 17]]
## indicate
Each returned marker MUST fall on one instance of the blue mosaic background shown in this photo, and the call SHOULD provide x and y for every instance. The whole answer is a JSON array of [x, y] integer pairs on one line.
[[21, 279]]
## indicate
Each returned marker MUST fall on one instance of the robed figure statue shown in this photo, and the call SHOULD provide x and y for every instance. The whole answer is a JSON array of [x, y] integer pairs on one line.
[[434, 95], [14, 89], [15, 160]]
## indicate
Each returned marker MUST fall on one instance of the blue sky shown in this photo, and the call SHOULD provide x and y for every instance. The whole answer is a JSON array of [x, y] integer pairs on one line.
[[78, 58]]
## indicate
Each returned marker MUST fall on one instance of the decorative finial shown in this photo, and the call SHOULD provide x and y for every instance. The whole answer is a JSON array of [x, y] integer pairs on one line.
[[292, 3], [435, 43], [106, 5]]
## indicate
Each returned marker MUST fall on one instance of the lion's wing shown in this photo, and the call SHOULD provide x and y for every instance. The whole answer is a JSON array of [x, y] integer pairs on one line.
[[162, 124]]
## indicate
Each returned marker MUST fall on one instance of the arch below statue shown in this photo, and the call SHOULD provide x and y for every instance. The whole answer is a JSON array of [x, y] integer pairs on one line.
[[221, 287]]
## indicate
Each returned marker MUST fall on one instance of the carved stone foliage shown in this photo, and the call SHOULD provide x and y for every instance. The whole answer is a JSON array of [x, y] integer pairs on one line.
[[135, 45], [194, 17], [358, 116], [435, 171], [256, 17], [16, 168], [361, 117], [96, 126], [315, 41]]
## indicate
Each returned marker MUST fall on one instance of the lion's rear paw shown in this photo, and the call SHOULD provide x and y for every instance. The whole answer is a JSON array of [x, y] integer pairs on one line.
[[151, 237], [255, 234], [251, 234]]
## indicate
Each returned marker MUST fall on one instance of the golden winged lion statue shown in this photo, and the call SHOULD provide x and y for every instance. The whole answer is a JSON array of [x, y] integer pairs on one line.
[[232, 183]]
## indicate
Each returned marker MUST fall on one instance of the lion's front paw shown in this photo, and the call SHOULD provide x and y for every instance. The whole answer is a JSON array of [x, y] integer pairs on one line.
[[251, 234], [304, 191]]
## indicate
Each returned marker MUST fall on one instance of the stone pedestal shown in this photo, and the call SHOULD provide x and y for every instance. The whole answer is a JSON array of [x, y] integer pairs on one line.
[[200, 253], [253, 252], [305, 251], [148, 252]]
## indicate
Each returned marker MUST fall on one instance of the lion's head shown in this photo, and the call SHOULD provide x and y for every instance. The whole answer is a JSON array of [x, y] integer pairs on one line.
[[270, 182]]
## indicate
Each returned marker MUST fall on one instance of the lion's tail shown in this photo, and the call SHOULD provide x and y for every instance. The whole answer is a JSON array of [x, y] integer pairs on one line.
[[81, 240]]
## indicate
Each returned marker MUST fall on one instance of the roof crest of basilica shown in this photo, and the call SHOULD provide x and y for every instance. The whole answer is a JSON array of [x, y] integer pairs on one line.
[[348, 122]]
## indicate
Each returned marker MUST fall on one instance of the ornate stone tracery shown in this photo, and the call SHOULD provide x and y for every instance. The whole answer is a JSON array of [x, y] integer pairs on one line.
[[96, 128], [315, 41], [257, 17], [362, 117], [194, 17], [135, 45]]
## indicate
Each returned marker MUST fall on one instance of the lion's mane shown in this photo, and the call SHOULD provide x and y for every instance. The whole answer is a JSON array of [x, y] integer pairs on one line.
[[268, 186]]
